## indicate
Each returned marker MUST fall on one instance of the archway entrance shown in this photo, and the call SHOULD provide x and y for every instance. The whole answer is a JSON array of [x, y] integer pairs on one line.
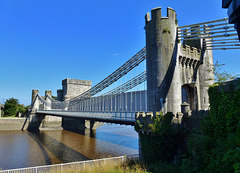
[[189, 95]]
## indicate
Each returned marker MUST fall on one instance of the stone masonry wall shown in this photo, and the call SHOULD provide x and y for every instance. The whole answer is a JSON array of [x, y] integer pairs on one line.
[[74, 87], [175, 71]]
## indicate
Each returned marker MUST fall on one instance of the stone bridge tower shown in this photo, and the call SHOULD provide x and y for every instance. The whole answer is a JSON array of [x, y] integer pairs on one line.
[[72, 88], [176, 72]]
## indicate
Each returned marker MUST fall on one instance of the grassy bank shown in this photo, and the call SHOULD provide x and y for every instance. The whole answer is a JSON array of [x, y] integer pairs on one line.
[[110, 167]]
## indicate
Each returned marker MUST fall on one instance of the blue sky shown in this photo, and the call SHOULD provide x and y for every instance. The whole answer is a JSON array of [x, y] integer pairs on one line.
[[43, 42]]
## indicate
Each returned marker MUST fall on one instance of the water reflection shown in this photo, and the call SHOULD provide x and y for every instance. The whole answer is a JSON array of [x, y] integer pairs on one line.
[[17, 149], [24, 149]]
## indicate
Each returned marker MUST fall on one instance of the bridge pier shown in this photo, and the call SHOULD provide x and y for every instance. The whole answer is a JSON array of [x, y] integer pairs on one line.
[[92, 122], [34, 119], [79, 124], [73, 124]]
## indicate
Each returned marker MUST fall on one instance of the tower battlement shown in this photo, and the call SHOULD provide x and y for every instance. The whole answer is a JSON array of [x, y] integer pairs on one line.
[[144, 118], [73, 87], [156, 14], [190, 52], [76, 82]]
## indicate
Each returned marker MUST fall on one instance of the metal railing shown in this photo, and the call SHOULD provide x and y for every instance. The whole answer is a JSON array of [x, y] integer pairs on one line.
[[71, 166], [108, 116], [112, 94]]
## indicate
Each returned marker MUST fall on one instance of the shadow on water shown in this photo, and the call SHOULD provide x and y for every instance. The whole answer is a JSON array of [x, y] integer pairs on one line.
[[46, 157], [89, 133], [113, 138], [57, 148]]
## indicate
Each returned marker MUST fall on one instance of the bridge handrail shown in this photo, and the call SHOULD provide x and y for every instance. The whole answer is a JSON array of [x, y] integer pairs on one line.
[[105, 116], [89, 111]]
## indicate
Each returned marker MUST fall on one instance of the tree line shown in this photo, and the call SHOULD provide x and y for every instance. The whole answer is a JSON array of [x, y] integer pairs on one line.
[[13, 108]]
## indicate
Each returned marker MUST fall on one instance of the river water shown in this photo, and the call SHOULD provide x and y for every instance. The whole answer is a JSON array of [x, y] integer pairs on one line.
[[20, 149]]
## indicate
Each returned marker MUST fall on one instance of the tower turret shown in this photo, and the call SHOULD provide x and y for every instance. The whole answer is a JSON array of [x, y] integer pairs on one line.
[[161, 58]]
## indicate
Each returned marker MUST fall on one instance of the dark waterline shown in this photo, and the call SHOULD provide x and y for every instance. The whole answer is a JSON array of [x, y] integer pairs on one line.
[[20, 149]]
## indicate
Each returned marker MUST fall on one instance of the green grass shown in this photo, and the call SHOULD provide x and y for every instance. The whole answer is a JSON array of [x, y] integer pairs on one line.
[[110, 167]]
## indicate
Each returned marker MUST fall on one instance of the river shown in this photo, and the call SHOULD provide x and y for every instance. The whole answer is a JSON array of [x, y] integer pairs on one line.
[[20, 149]]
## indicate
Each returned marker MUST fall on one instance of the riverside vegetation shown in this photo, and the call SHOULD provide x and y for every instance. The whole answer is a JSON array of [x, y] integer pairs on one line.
[[12, 107], [214, 147], [128, 167]]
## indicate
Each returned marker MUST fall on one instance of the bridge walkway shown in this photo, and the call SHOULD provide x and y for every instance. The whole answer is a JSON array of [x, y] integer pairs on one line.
[[126, 118]]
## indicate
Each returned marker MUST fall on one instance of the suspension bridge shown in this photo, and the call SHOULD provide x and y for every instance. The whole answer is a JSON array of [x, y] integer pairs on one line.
[[175, 67]]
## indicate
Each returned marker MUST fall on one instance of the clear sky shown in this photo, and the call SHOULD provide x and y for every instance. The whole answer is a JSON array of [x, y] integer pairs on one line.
[[43, 42]]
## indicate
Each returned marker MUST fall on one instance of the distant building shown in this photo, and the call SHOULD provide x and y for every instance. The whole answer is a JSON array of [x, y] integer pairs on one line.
[[233, 13]]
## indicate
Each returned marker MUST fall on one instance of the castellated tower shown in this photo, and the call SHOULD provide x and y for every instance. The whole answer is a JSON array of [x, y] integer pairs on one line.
[[161, 50], [72, 88], [176, 73]]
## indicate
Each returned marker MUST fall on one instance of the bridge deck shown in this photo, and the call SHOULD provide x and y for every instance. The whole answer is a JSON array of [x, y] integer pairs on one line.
[[127, 118]]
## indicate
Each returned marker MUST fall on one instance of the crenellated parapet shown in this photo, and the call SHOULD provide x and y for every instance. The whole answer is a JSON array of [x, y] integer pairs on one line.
[[72, 88], [190, 52], [76, 82], [144, 118], [156, 14], [189, 57]]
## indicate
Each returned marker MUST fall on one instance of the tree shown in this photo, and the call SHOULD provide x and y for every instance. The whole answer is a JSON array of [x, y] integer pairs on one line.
[[221, 76], [11, 107], [22, 109]]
